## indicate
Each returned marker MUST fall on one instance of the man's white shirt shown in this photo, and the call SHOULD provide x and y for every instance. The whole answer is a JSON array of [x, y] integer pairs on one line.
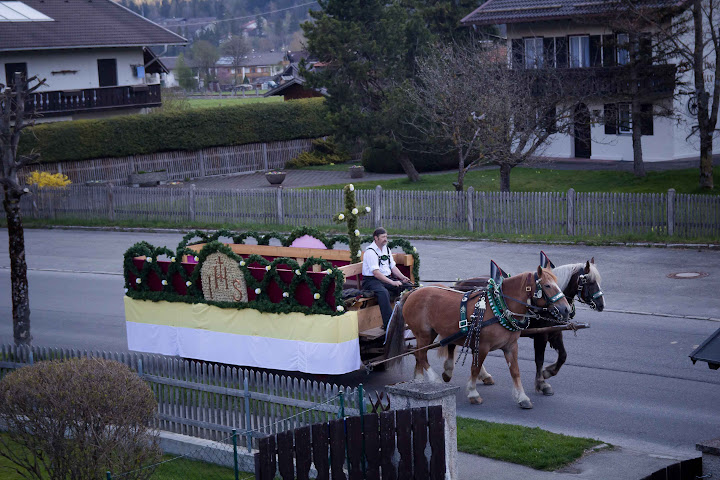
[[371, 260]]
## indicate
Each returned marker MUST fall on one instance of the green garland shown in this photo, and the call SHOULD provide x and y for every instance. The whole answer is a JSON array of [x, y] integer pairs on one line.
[[141, 290], [350, 215]]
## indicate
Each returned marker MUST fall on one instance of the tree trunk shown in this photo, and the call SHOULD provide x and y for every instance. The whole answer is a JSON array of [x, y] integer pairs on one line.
[[18, 270], [505, 177], [638, 165], [706, 165], [409, 168], [461, 172], [705, 128]]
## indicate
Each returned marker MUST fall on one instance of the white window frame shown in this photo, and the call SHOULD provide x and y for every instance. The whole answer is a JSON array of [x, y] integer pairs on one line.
[[583, 58], [534, 45], [624, 109], [623, 54]]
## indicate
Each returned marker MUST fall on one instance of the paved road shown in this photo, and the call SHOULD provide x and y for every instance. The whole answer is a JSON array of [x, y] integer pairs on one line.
[[628, 379]]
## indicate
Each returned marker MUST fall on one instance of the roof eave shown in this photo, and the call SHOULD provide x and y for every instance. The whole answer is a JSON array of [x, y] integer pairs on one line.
[[81, 47]]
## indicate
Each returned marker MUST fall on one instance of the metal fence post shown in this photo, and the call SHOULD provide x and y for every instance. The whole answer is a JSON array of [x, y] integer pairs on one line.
[[571, 212], [191, 202], [470, 212], [247, 414], [235, 454], [671, 212], [280, 214], [377, 203], [111, 202]]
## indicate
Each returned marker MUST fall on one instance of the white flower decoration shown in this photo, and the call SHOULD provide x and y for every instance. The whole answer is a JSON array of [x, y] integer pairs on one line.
[[316, 296], [341, 217], [242, 263], [357, 233], [297, 272], [126, 290], [267, 267], [414, 250], [354, 211], [367, 209], [164, 282], [197, 259], [172, 259], [359, 254], [188, 283], [257, 291], [148, 259], [138, 280], [340, 308], [328, 271], [286, 294], [351, 187]]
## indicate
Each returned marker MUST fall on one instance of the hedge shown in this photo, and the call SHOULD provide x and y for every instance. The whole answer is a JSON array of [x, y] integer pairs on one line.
[[180, 130]]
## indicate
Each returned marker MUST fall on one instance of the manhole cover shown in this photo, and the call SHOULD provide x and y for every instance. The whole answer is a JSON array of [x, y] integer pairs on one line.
[[687, 275]]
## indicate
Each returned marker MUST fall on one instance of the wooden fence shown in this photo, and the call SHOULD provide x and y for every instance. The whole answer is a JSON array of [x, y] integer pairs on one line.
[[180, 164], [549, 213], [364, 447], [208, 401]]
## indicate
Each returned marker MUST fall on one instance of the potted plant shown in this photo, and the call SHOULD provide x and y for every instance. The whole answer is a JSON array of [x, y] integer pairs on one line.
[[357, 171], [275, 177]]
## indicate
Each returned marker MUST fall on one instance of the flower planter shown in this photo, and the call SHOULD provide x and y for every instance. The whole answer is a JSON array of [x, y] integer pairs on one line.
[[357, 171], [148, 179], [275, 178]]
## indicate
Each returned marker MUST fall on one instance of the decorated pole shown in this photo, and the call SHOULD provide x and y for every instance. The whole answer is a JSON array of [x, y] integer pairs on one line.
[[350, 216]]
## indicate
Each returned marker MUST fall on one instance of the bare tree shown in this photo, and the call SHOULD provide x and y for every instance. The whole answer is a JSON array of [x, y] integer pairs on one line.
[[236, 48], [13, 120], [466, 100]]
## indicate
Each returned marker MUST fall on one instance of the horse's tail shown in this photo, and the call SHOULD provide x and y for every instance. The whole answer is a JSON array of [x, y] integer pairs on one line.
[[395, 337]]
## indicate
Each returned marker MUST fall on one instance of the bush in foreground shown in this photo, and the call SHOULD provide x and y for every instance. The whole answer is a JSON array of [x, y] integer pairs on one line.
[[77, 419]]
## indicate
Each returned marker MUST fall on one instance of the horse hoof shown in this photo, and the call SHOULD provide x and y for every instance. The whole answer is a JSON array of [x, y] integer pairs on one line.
[[475, 400], [547, 390], [488, 381], [526, 404], [446, 377]]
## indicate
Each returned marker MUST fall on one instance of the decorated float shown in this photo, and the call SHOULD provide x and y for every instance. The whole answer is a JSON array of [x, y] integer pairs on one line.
[[286, 302]]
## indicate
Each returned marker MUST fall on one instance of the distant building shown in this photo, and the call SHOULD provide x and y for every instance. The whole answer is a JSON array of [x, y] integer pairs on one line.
[[252, 66], [93, 55]]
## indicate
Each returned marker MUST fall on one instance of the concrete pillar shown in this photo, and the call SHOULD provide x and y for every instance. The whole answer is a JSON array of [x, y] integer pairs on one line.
[[710, 458], [427, 394]]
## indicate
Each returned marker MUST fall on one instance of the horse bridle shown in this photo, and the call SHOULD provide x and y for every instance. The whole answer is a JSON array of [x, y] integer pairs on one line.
[[582, 281], [549, 301]]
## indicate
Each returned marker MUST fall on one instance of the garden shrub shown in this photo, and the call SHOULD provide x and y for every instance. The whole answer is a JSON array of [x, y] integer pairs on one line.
[[47, 179], [77, 419], [182, 129], [324, 152], [380, 157]]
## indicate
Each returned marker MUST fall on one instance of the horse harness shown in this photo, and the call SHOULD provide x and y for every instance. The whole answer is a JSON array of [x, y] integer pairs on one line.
[[582, 281]]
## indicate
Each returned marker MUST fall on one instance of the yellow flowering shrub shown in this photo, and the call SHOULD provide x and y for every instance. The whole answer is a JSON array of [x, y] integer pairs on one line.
[[46, 179]]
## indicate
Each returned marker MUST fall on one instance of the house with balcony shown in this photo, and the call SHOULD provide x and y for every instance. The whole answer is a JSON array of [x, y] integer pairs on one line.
[[93, 54], [576, 40]]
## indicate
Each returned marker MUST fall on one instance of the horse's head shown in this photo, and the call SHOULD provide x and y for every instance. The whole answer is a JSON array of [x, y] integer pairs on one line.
[[549, 295], [589, 291]]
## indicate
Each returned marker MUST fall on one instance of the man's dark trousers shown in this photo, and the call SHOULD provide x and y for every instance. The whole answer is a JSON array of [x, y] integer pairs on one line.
[[382, 292]]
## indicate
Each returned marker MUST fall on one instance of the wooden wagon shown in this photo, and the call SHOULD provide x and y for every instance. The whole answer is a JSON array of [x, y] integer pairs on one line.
[[277, 307]]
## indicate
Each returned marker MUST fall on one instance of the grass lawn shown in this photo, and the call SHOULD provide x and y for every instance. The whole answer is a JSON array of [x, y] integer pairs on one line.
[[229, 101], [545, 180], [533, 447]]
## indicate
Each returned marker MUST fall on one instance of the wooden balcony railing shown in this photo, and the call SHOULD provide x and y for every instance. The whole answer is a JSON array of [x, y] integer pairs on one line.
[[62, 102]]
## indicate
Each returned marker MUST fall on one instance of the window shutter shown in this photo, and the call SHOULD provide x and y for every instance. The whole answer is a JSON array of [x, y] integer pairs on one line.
[[646, 119], [609, 52], [595, 49], [518, 53], [549, 52], [561, 47], [611, 119]]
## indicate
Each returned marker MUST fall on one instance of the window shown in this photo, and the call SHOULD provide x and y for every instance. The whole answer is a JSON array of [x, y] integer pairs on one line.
[[624, 118], [579, 52], [533, 53], [623, 49], [11, 69], [107, 72]]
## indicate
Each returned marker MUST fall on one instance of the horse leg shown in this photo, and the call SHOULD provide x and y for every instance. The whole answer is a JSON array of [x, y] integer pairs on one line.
[[449, 364], [422, 366], [486, 378], [477, 367], [556, 342], [541, 386], [511, 356]]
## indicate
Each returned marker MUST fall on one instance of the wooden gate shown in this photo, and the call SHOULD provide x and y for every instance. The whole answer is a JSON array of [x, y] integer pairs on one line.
[[391, 446]]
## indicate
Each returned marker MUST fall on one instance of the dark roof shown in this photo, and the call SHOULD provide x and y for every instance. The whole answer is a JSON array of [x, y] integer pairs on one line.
[[709, 351], [496, 12], [83, 24]]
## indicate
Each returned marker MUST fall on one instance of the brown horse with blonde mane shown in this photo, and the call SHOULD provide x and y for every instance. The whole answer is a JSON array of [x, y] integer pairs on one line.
[[434, 312]]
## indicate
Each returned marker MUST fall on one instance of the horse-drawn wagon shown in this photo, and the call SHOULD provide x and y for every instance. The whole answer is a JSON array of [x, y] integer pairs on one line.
[[270, 306]]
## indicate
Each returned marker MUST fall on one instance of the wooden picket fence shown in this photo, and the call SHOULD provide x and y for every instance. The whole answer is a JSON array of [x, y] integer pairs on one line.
[[208, 401], [391, 446], [546, 213], [180, 164]]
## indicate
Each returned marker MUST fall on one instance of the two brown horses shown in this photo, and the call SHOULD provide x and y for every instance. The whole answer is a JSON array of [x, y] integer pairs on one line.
[[434, 311]]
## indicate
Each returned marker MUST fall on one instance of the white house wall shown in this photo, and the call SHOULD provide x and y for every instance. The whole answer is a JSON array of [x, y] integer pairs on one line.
[[42, 63]]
